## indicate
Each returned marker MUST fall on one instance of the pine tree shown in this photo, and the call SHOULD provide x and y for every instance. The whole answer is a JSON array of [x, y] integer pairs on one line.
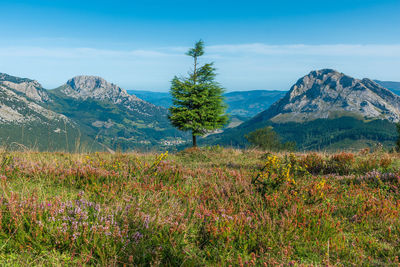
[[197, 99]]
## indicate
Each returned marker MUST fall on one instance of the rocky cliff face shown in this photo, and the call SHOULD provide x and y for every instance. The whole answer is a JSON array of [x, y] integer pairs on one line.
[[21, 101], [328, 94], [30, 88], [97, 88]]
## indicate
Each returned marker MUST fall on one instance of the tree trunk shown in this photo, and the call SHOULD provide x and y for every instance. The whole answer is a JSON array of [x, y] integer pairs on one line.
[[194, 140]]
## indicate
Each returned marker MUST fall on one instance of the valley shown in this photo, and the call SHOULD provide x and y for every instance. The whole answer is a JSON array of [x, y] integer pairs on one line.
[[88, 113]]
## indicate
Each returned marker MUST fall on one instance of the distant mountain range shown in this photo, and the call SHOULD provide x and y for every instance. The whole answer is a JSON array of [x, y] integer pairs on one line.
[[241, 104], [162, 99], [392, 86], [324, 109]]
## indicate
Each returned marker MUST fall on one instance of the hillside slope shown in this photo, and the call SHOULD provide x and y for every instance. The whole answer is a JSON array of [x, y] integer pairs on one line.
[[27, 121]]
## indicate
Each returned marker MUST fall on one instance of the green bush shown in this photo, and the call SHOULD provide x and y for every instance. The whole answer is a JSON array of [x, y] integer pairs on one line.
[[267, 139]]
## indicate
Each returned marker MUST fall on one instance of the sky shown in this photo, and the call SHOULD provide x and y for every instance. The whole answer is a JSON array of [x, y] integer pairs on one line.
[[254, 44]]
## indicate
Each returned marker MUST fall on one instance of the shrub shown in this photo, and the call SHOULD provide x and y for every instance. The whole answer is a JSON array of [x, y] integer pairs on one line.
[[267, 139], [341, 163], [278, 171], [368, 163], [314, 163]]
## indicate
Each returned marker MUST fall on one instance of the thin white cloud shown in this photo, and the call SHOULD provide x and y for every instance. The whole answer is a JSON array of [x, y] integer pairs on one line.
[[311, 50], [240, 67], [214, 51], [76, 52]]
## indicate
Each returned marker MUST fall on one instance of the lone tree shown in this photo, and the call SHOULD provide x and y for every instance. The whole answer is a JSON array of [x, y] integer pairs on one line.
[[197, 99]]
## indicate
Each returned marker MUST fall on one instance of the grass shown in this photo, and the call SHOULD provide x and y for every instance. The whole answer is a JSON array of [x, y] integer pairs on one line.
[[210, 206]]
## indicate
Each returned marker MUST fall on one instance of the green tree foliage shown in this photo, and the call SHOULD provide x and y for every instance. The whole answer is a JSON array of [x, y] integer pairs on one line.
[[197, 99], [266, 138]]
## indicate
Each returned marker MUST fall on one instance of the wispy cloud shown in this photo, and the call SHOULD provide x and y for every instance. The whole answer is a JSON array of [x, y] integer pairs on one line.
[[66, 52], [213, 50], [310, 50], [240, 66]]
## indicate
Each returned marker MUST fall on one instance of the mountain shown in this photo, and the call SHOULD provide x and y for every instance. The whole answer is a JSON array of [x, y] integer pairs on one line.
[[392, 86], [329, 94], [348, 108], [250, 103], [111, 116], [26, 120], [162, 99]]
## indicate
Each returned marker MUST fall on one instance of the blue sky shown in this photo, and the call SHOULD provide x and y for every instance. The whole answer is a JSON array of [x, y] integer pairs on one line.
[[254, 44]]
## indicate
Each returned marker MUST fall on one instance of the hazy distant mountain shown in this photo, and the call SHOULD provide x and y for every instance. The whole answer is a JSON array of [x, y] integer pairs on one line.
[[348, 108], [250, 103], [162, 99], [392, 86], [244, 104]]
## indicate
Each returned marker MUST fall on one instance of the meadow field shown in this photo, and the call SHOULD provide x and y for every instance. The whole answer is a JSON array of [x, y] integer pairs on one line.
[[199, 207]]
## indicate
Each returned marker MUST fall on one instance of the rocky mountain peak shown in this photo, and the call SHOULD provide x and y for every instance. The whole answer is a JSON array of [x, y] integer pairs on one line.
[[89, 83], [328, 93], [326, 81], [95, 87]]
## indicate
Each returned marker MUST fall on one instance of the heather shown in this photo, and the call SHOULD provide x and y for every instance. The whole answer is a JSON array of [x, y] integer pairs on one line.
[[208, 206]]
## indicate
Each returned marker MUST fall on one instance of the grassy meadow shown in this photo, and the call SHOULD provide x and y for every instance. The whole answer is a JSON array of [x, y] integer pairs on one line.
[[209, 206]]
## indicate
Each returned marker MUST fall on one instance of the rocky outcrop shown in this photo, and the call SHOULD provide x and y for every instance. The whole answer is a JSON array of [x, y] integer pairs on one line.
[[96, 88], [16, 108], [328, 94], [21, 101], [30, 88]]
